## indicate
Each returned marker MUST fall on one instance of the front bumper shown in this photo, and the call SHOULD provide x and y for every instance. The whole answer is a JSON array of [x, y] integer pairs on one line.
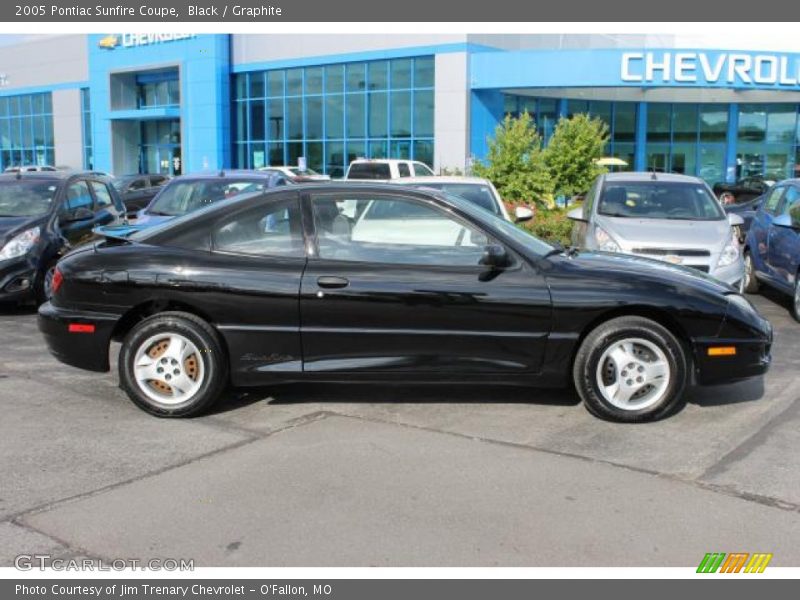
[[732, 274], [81, 349], [752, 356], [17, 279]]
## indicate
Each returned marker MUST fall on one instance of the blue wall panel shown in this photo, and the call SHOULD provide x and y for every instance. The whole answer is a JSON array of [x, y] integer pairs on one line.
[[204, 66]]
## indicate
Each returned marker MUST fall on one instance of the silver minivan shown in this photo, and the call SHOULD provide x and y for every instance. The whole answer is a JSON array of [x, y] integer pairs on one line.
[[668, 217]]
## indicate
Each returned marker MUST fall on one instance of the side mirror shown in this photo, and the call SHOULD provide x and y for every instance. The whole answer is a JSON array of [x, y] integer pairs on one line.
[[522, 214], [79, 214], [495, 256], [735, 219], [784, 220], [576, 214]]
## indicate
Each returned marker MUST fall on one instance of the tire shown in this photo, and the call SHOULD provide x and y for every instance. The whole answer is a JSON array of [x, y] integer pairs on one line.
[[750, 280], [193, 365], [645, 362], [796, 298], [41, 289]]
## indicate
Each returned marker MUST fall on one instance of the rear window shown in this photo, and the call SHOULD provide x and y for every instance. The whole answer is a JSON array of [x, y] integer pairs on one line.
[[183, 197], [369, 171]]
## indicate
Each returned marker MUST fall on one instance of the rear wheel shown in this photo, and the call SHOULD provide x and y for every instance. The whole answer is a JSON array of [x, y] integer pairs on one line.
[[172, 365], [631, 369], [750, 284]]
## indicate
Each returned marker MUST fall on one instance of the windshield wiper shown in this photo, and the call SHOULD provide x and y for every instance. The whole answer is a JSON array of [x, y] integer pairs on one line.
[[559, 248]]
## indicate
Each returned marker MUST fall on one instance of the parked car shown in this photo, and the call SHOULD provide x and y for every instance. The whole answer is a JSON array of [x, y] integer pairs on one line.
[[743, 190], [384, 169], [747, 211], [772, 246], [477, 190], [189, 193], [42, 215], [138, 190], [296, 174], [285, 286], [668, 217]]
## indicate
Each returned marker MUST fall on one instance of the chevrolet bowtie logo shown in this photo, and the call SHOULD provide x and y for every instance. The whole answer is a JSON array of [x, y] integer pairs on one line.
[[109, 42]]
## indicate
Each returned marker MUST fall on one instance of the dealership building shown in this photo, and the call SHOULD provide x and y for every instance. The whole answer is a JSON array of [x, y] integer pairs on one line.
[[178, 103]]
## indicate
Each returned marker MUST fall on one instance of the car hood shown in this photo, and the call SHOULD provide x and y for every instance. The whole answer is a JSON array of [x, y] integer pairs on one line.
[[628, 270], [666, 233], [10, 226]]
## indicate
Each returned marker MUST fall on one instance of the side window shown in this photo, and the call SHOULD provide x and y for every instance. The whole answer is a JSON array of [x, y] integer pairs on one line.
[[138, 184], [422, 170], [272, 229], [394, 230], [158, 180], [792, 204], [77, 196], [101, 194], [403, 170], [774, 198]]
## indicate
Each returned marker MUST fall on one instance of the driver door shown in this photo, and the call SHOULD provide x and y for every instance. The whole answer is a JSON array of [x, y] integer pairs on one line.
[[394, 286]]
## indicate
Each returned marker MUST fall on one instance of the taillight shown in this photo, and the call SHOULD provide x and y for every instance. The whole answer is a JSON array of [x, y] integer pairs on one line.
[[58, 279]]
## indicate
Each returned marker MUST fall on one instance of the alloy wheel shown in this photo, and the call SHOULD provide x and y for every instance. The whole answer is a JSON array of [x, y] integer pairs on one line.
[[168, 368], [633, 374]]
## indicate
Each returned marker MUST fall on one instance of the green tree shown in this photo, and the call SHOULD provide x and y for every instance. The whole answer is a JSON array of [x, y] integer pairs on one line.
[[515, 163], [571, 156]]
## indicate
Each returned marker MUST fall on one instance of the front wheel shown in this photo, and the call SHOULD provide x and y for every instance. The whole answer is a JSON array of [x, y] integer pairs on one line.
[[631, 369], [796, 298], [750, 284], [172, 365]]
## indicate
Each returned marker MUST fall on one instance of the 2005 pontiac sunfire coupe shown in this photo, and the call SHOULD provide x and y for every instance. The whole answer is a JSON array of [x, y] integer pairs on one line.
[[384, 283]]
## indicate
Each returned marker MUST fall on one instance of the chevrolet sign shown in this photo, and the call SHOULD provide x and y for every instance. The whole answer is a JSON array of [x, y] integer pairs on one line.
[[724, 68], [134, 40]]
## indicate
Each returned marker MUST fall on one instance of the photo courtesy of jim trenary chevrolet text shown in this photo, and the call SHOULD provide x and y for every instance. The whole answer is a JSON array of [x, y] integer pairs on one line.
[[350, 299]]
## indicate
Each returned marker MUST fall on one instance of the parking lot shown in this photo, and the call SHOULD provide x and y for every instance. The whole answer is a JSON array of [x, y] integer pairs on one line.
[[313, 475]]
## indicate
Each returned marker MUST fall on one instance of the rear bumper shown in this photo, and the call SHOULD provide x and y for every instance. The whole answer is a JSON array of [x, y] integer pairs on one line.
[[82, 349], [752, 359]]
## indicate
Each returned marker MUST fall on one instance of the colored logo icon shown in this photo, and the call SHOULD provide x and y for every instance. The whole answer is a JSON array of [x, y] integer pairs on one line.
[[109, 42], [736, 562]]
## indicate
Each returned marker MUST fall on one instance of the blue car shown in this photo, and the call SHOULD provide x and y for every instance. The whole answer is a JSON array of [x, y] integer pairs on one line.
[[189, 193], [772, 245]]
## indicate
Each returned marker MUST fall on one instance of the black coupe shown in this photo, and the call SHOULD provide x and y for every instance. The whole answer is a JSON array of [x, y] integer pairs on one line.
[[338, 282]]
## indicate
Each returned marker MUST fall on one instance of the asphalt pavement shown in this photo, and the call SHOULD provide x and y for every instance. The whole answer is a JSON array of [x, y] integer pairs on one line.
[[362, 475]]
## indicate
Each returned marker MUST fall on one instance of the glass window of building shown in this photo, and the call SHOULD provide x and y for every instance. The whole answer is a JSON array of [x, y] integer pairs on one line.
[[26, 130], [334, 114], [767, 141], [86, 120]]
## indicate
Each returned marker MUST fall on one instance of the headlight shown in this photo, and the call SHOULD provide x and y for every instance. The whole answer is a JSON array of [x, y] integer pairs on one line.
[[604, 241], [729, 254], [20, 244]]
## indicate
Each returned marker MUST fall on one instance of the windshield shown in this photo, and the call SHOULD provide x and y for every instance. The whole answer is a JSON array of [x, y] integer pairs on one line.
[[478, 194], [677, 200], [183, 197], [518, 234], [26, 198]]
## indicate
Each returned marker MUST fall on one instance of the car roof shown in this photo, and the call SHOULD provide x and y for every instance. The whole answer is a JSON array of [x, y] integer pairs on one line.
[[645, 176], [225, 174], [441, 179], [49, 175], [382, 160]]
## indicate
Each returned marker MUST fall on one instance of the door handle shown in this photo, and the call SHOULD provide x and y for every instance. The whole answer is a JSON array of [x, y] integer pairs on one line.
[[332, 282]]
